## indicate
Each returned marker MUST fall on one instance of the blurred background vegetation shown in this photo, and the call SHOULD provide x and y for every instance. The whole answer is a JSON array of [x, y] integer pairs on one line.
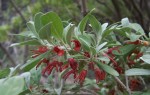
[[15, 13]]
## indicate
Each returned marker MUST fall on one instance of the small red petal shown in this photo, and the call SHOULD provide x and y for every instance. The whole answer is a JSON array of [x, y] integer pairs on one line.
[[73, 63], [68, 74], [77, 45], [81, 76], [60, 52], [111, 59], [86, 54], [99, 75], [119, 69]]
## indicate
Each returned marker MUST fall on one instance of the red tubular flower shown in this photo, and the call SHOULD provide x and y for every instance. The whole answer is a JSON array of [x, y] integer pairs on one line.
[[139, 55], [110, 50], [35, 55], [60, 52], [47, 69], [41, 49], [86, 54], [119, 69], [69, 73], [63, 67], [73, 63], [51, 66], [42, 61], [77, 45], [134, 84], [137, 42], [111, 59], [81, 77], [99, 75]]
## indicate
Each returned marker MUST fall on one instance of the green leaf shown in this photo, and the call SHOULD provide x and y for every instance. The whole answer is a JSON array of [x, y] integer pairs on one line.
[[100, 46], [45, 32], [37, 21], [133, 37], [103, 58], [137, 28], [107, 69], [137, 71], [26, 76], [32, 63], [25, 92], [15, 70], [4, 72], [29, 42], [82, 24], [125, 22], [36, 75], [67, 34], [76, 56], [31, 26], [104, 26], [124, 50], [96, 25], [146, 58], [12, 86], [93, 50], [84, 42], [57, 26], [25, 34], [106, 32]]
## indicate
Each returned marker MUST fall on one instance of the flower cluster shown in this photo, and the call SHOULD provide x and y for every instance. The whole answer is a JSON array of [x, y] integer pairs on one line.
[[72, 63]]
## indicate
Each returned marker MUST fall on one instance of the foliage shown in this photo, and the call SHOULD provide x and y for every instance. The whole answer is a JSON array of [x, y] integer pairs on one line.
[[64, 50]]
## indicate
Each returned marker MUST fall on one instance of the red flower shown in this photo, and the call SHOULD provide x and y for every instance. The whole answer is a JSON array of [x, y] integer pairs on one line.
[[60, 52], [51, 66], [119, 69], [69, 73], [139, 55], [42, 61], [81, 77], [111, 59], [110, 50], [63, 67], [134, 84], [137, 42], [86, 54], [73, 63], [99, 75], [41, 49], [77, 45]]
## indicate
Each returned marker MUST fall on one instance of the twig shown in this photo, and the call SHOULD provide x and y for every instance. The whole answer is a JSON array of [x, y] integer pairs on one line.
[[18, 11], [81, 4], [24, 21], [123, 86], [127, 84], [83, 7], [8, 55]]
